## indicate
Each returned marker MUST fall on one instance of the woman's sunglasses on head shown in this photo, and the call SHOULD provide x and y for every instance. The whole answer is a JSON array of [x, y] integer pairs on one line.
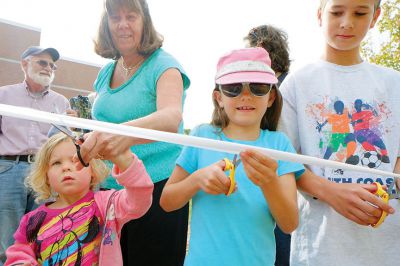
[[256, 89], [44, 64]]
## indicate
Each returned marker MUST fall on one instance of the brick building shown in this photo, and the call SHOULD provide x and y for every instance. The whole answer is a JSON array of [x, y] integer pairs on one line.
[[73, 77]]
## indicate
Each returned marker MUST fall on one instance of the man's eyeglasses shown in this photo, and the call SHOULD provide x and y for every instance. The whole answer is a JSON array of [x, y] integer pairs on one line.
[[234, 90], [44, 64]]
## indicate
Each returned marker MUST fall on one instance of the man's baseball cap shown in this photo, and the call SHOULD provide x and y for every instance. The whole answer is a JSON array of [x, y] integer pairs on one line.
[[35, 50]]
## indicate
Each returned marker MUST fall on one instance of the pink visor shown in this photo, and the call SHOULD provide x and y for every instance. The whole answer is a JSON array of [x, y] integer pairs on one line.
[[245, 65]]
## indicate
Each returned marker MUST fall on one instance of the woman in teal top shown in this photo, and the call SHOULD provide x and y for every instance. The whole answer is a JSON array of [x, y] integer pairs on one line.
[[143, 87]]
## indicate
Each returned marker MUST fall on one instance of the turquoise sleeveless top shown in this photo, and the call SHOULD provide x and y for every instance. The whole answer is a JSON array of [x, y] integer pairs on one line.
[[135, 99]]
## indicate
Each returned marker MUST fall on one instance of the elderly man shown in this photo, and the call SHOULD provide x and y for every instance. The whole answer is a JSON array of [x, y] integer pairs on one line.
[[20, 139]]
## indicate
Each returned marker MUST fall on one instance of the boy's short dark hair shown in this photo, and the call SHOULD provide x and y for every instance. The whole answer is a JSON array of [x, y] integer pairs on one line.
[[323, 3]]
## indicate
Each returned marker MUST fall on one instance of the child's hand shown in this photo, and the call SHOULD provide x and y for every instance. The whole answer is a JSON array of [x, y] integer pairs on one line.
[[259, 168], [213, 180], [356, 202], [123, 160]]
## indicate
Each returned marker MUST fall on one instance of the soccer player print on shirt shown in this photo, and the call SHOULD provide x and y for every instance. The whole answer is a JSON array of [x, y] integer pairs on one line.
[[64, 239], [353, 137]]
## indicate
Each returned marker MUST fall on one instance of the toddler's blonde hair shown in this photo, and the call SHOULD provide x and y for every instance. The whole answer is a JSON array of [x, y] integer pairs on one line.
[[37, 178]]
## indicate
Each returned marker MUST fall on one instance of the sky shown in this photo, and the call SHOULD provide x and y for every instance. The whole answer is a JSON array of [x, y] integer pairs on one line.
[[196, 33]]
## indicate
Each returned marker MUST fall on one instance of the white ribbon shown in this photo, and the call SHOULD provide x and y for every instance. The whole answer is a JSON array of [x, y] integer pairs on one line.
[[211, 144]]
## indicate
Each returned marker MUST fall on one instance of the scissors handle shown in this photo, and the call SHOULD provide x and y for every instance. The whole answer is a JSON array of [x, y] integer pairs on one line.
[[231, 167], [78, 151], [381, 193]]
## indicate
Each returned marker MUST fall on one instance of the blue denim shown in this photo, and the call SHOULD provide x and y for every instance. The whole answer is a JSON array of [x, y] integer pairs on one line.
[[282, 248], [15, 201]]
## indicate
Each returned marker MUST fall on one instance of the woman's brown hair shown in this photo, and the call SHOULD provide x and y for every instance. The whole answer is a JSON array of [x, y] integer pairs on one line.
[[275, 41], [151, 39]]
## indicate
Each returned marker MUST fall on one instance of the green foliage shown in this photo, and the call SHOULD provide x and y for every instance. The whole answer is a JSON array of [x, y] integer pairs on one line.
[[388, 52], [186, 131]]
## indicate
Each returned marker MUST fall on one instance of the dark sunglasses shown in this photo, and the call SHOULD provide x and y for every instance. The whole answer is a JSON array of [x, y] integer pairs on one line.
[[234, 90], [44, 64]]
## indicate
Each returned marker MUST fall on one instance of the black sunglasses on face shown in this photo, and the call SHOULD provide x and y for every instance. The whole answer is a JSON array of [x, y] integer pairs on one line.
[[44, 64], [234, 90]]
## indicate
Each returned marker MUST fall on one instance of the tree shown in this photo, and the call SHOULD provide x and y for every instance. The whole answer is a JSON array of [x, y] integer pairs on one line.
[[386, 50]]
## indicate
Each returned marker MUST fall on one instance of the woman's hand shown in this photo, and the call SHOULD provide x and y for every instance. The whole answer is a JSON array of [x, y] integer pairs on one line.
[[212, 179], [259, 168], [105, 146]]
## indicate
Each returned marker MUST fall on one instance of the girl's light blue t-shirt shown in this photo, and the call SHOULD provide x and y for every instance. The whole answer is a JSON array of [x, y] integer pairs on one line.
[[135, 99], [238, 229]]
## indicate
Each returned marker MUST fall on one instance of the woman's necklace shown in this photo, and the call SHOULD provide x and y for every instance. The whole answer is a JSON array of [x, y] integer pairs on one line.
[[128, 70]]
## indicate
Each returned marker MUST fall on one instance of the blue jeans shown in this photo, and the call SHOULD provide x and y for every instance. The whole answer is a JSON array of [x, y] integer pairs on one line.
[[282, 247], [15, 201]]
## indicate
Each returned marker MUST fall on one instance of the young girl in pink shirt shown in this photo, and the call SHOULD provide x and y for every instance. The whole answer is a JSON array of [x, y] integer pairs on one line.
[[77, 226]]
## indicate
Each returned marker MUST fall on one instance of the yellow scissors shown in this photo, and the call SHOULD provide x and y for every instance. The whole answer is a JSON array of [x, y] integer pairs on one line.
[[231, 166], [393, 192]]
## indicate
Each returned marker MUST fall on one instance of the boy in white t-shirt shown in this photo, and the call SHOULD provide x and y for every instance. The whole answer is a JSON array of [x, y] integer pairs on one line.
[[345, 109]]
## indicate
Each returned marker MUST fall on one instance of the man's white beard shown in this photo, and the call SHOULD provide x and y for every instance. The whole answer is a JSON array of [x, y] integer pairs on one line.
[[40, 79]]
